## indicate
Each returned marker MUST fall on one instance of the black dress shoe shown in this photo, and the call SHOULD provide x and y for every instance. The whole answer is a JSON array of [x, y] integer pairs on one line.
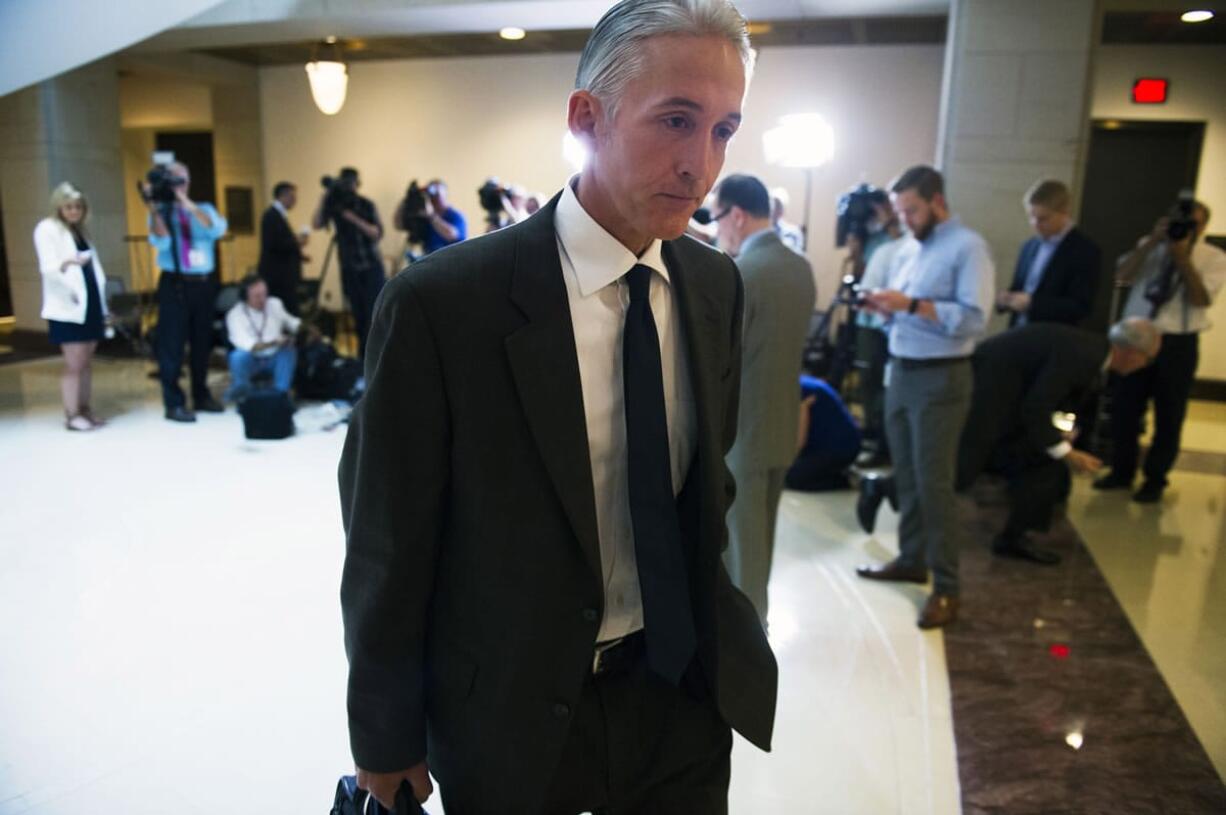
[[180, 414], [1150, 493], [872, 493], [894, 572], [1112, 481], [209, 405], [1023, 550]]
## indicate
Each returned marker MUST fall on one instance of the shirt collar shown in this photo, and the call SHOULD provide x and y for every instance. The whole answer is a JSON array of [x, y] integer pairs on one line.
[[1055, 240], [597, 257], [751, 240], [280, 208]]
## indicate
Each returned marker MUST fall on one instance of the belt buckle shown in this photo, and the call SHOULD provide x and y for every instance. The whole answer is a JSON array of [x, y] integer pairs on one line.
[[601, 648]]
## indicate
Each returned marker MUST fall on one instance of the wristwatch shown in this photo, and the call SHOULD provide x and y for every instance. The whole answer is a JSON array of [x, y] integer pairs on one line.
[[913, 306]]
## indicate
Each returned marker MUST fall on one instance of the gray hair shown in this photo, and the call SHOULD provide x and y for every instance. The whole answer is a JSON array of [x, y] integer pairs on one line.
[[613, 54], [1136, 333]]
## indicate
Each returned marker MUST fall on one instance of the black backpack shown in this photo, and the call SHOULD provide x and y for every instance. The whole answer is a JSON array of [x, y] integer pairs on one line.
[[267, 414], [324, 374]]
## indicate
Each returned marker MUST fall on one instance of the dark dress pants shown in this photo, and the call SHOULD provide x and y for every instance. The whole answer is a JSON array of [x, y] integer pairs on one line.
[[1037, 483], [185, 315], [639, 746], [872, 354], [362, 287], [1168, 382], [283, 285]]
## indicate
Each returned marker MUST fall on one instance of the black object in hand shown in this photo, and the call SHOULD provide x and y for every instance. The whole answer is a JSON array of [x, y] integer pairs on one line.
[[353, 801]]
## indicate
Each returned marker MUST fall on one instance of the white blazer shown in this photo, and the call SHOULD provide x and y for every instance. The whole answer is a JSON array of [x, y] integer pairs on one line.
[[64, 296]]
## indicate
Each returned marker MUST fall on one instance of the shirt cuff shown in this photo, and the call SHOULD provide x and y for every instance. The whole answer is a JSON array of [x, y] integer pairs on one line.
[[1059, 451]]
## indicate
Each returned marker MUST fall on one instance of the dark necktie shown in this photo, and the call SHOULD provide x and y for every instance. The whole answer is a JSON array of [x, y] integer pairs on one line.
[[668, 616]]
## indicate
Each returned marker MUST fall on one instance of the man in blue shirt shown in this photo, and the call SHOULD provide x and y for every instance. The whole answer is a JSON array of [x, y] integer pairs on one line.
[[187, 291], [941, 291], [446, 223]]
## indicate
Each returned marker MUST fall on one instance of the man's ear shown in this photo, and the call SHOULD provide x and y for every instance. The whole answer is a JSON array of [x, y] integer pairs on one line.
[[585, 116]]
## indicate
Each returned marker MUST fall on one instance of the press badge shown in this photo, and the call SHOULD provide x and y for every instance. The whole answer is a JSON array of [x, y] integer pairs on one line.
[[885, 377], [195, 258]]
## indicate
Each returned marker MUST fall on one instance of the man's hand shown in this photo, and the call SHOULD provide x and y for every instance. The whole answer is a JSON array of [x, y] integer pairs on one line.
[[1083, 462], [385, 785], [1015, 301], [887, 301]]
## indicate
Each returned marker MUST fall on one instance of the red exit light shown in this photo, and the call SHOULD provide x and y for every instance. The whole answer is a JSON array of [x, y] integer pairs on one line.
[[1149, 91]]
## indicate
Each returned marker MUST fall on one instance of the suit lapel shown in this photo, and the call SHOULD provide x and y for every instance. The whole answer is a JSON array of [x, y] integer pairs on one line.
[[545, 366]]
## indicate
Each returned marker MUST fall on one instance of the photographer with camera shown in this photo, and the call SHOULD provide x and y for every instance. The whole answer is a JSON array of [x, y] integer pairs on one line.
[[1174, 278], [429, 219], [186, 287], [503, 206], [357, 231]]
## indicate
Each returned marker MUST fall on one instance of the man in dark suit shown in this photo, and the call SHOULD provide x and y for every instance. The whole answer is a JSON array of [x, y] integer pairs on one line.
[[533, 486], [1023, 378], [280, 249], [1057, 270]]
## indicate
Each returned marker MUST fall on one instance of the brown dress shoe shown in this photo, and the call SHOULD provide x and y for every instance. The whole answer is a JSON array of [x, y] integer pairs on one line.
[[940, 610], [894, 572]]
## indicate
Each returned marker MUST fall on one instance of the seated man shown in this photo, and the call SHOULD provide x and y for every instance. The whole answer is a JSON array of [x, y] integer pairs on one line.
[[262, 333], [829, 443], [1022, 378]]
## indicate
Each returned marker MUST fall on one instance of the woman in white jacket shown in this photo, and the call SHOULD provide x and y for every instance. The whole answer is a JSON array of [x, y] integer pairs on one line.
[[73, 305]]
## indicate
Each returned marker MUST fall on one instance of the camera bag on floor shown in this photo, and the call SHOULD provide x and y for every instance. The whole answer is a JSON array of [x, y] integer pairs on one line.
[[324, 374], [267, 414]]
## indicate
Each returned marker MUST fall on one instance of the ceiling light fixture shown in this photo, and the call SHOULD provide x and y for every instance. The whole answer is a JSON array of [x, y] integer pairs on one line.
[[329, 80], [512, 33], [1196, 16]]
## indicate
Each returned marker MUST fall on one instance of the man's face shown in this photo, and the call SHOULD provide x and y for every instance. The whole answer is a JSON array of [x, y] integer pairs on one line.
[[664, 148], [438, 196], [257, 296], [918, 215], [1046, 222], [884, 214], [289, 198], [179, 170]]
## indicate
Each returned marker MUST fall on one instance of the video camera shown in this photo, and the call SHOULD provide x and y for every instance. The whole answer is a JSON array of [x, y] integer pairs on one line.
[[413, 213], [491, 195], [163, 185], [342, 194], [1181, 223], [855, 211]]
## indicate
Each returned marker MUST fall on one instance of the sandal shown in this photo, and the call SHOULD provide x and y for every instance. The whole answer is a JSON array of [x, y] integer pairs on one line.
[[79, 423]]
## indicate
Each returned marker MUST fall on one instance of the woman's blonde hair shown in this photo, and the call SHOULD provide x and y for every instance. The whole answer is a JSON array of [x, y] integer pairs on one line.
[[64, 194]]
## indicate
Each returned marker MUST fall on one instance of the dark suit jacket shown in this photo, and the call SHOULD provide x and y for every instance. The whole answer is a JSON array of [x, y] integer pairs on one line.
[[1069, 284], [280, 254], [472, 590], [1022, 376]]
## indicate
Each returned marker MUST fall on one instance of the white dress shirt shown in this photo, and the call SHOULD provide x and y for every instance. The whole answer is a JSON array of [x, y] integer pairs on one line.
[[1177, 315], [248, 327], [594, 264]]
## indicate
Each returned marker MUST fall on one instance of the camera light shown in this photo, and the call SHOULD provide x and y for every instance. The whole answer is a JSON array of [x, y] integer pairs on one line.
[[329, 83], [801, 140], [1196, 16], [512, 33]]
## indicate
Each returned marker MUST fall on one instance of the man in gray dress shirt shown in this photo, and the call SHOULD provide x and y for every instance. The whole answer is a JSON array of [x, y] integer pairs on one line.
[[779, 298], [940, 294]]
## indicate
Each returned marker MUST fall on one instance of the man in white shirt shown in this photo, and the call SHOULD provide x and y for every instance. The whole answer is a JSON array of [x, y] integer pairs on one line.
[[1174, 281], [262, 333]]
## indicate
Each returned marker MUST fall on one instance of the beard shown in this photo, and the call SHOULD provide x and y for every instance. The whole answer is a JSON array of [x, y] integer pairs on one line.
[[922, 231]]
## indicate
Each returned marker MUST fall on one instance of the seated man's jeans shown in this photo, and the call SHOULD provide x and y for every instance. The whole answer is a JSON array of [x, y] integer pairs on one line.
[[245, 365]]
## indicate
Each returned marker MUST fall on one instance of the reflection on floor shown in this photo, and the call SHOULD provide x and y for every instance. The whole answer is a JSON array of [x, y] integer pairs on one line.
[[179, 645]]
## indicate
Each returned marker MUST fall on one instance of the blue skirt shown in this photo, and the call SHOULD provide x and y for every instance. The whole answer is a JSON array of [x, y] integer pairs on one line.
[[93, 329]]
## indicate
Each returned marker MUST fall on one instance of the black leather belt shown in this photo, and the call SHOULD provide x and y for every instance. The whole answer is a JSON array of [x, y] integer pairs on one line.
[[937, 362], [618, 656], [190, 278]]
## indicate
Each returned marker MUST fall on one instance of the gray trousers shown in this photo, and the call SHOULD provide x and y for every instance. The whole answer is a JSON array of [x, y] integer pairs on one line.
[[925, 409], [751, 532]]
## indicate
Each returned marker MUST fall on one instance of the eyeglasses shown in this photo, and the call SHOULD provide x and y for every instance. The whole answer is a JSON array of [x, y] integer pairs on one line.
[[722, 214]]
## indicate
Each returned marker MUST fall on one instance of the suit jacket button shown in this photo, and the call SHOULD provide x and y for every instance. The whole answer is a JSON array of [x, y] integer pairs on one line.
[[591, 615], [561, 711]]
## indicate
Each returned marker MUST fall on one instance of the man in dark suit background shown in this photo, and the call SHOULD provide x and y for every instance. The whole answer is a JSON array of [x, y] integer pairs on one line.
[[1058, 270], [280, 249], [533, 487], [1022, 378], [779, 298]]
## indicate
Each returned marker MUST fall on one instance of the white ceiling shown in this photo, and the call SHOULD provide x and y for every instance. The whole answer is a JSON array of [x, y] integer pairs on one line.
[[252, 22]]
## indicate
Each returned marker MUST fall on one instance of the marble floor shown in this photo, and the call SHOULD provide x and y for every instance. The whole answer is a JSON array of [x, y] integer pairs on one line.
[[172, 635]]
